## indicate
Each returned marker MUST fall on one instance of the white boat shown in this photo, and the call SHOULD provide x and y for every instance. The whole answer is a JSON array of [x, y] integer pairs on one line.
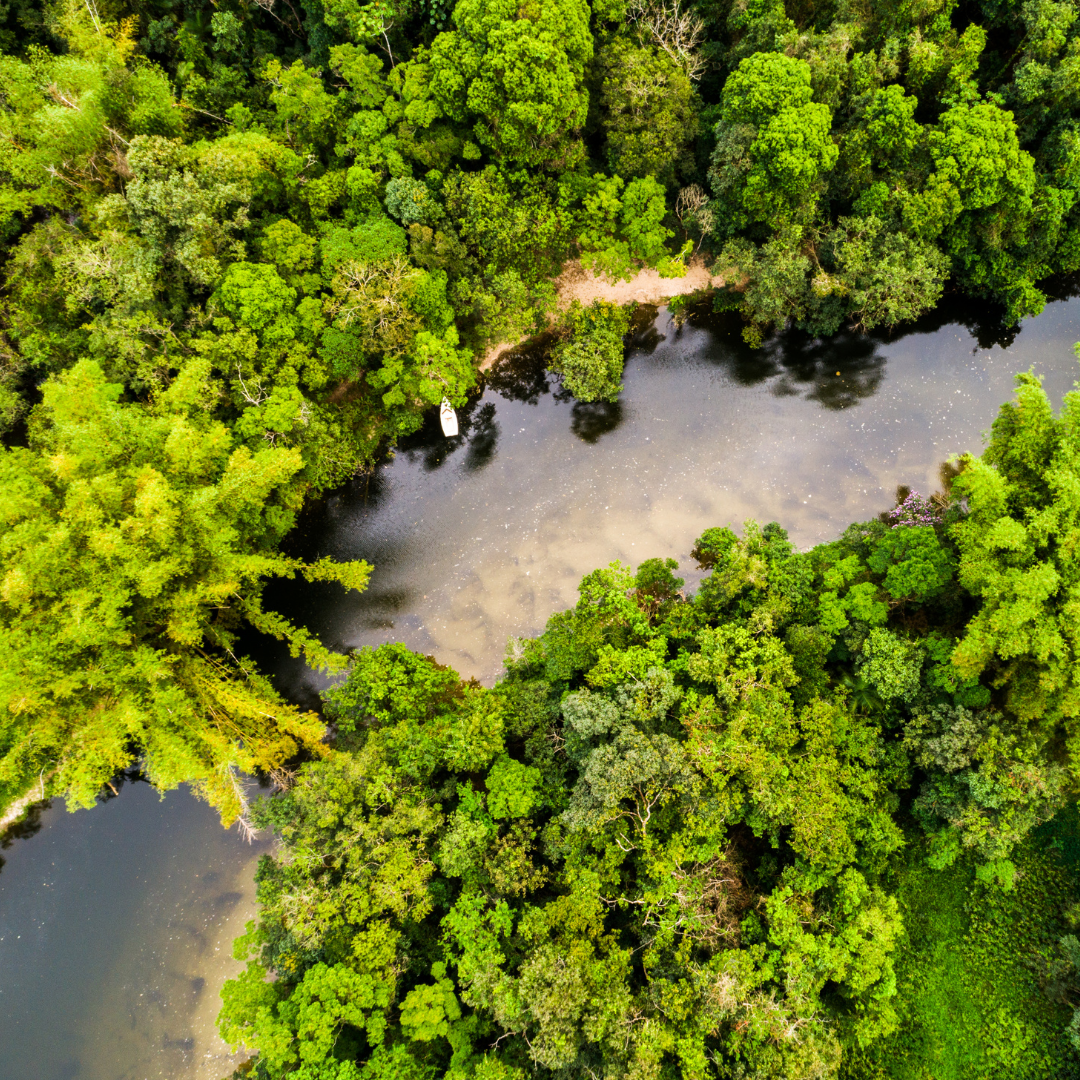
[[448, 418]]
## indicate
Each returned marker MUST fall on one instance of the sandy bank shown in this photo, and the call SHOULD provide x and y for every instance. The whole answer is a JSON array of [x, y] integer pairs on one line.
[[646, 287], [24, 802]]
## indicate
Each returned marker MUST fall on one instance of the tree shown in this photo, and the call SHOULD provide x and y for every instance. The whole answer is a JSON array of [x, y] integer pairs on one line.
[[659, 755], [791, 154], [980, 196], [515, 75], [135, 544], [769, 285], [975, 148], [891, 128], [71, 117], [624, 229], [1016, 557], [886, 277], [650, 111], [762, 86], [591, 360]]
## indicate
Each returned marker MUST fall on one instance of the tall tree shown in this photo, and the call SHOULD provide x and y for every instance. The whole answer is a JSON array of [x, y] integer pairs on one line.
[[135, 543]]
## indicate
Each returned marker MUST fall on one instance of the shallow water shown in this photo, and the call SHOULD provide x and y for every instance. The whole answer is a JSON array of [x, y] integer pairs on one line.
[[115, 924], [482, 537], [116, 930]]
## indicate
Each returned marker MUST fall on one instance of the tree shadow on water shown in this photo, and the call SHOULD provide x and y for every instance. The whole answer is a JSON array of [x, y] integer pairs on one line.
[[112, 788], [805, 366], [482, 438], [591, 420], [354, 499], [644, 334], [836, 372], [477, 431], [521, 373], [27, 826]]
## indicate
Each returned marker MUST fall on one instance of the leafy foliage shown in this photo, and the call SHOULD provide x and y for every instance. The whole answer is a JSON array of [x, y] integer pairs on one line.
[[981, 975], [859, 160], [685, 834], [590, 361], [246, 246], [135, 542]]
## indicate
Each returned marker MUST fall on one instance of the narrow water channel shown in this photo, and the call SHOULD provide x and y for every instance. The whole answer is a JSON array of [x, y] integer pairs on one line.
[[115, 923], [483, 537]]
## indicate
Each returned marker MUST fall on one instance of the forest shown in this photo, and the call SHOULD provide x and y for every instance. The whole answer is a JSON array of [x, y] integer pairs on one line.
[[247, 245], [753, 832]]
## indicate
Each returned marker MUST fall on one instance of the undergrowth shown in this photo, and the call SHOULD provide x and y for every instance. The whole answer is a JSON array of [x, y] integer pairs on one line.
[[970, 1001]]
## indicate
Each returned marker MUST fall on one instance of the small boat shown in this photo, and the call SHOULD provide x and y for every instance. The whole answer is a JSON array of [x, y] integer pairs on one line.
[[448, 418]]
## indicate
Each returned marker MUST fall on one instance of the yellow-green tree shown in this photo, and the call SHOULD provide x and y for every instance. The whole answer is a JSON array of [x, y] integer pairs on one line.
[[135, 540]]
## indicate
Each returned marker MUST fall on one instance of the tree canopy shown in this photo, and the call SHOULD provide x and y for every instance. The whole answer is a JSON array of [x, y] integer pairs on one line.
[[246, 247], [163, 162], [666, 842]]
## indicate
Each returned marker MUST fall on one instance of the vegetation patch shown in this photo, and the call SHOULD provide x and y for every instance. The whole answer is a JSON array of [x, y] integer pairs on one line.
[[246, 247], [794, 825], [972, 998]]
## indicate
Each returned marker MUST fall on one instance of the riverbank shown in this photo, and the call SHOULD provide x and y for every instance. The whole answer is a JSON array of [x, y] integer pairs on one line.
[[645, 287], [476, 540], [21, 805]]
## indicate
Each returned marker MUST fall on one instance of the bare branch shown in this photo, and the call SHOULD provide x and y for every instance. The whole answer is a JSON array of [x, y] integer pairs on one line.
[[692, 207], [677, 32], [252, 399]]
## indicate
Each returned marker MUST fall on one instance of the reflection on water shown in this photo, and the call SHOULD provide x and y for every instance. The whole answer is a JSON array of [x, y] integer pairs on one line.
[[589, 420], [115, 924], [836, 373], [116, 928], [30, 825], [481, 537]]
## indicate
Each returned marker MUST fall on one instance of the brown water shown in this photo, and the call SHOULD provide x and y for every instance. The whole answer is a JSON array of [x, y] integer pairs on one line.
[[480, 538], [115, 924]]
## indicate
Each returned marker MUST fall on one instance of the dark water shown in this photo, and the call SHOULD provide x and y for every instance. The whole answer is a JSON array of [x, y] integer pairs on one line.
[[482, 537], [115, 923]]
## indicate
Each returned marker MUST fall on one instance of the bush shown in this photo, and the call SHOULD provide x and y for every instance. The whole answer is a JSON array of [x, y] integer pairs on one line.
[[590, 358]]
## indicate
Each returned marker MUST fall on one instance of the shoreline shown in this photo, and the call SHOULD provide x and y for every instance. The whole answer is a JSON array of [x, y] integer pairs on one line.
[[645, 287], [17, 809]]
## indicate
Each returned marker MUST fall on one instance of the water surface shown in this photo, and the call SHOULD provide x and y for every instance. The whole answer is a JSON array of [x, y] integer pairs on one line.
[[480, 538], [116, 930], [115, 923]]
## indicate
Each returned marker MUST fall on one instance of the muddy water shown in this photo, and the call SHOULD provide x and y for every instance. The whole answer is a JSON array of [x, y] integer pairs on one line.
[[116, 929], [115, 924], [481, 538]]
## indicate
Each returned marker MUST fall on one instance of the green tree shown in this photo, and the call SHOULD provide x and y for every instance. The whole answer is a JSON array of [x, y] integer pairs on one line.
[[883, 276], [515, 74], [649, 111], [891, 127], [791, 155], [135, 544], [772, 283], [624, 228], [762, 86], [69, 118], [1015, 556], [590, 360], [660, 753]]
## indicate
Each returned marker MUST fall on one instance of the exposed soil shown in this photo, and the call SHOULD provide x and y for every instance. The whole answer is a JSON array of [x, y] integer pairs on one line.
[[646, 287]]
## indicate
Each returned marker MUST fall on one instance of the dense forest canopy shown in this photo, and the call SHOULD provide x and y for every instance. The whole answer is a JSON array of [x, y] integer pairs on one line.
[[672, 841], [246, 245]]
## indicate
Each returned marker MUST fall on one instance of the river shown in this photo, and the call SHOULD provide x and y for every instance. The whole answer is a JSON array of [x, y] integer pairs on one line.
[[115, 923]]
